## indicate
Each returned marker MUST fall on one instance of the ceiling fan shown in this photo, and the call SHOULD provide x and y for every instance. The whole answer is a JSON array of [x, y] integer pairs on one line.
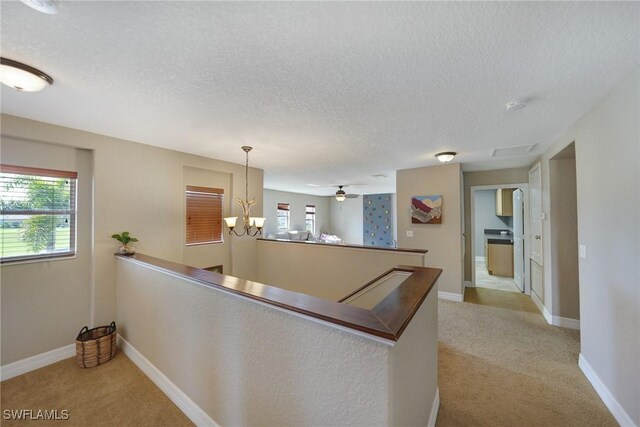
[[341, 195]]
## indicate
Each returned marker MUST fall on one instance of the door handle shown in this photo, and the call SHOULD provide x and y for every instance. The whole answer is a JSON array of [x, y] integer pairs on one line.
[[537, 237]]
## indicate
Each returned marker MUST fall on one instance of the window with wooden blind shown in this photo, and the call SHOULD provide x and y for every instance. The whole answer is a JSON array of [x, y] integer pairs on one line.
[[283, 216], [204, 215], [310, 218], [37, 213]]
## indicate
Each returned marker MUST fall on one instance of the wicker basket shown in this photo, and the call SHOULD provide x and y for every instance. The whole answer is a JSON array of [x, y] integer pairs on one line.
[[95, 346]]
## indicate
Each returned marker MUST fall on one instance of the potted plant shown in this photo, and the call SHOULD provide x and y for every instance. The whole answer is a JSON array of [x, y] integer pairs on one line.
[[126, 240]]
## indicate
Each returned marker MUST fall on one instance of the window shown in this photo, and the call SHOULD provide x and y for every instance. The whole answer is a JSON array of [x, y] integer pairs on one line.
[[204, 215], [37, 213], [310, 219], [283, 216]]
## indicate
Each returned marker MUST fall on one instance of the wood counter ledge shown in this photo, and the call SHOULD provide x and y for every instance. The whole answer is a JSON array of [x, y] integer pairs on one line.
[[387, 320], [343, 245]]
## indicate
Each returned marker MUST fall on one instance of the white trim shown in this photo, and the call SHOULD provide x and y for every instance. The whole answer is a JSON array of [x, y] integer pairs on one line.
[[469, 284], [38, 361], [177, 396], [525, 191], [450, 296], [435, 406], [611, 403], [565, 322], [542, 308]]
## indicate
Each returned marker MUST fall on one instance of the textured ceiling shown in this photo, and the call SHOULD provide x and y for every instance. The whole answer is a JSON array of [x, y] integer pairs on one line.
[[325, 92]]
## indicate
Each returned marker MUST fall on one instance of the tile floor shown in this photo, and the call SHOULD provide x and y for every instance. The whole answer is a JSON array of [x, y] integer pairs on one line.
[[485, 280]]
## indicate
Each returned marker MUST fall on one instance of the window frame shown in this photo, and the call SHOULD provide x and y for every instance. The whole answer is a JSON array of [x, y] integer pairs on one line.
[[72, 212], [200, 194], [283, 210], [310, 215]]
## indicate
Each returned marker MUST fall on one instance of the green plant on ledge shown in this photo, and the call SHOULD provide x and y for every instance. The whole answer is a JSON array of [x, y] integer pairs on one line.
[[126, 240]]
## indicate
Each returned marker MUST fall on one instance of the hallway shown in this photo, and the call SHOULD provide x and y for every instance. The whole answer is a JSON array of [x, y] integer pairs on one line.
[[501, 364]]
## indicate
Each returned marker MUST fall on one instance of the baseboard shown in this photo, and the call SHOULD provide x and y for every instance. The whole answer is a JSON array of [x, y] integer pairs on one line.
[[611, 403], [469, 284], [565, 322], [450, 296], [38, 361], [542, 308], [177, 396], [435, 406]]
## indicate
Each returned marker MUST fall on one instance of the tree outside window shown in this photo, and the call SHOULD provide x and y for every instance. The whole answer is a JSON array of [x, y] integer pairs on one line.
[[38, 213]]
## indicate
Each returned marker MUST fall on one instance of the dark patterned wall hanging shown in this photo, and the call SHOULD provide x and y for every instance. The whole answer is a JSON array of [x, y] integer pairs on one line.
[[378, 228]]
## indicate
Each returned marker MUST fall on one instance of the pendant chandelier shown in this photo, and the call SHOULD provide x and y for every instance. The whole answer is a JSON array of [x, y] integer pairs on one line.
[[251, 226]]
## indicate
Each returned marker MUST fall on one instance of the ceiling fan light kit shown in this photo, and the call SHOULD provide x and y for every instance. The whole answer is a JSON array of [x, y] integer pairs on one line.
[[341, 195], [446, 156], [23, 77]]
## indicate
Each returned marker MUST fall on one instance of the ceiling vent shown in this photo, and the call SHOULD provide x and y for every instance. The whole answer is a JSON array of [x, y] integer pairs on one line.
[[512, 151]]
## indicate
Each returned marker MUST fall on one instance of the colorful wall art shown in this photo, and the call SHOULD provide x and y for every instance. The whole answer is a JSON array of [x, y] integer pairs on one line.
[[377, 215], [426, 210]]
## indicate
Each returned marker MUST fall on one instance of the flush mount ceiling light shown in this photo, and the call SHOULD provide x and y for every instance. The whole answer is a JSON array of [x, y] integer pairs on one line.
[[446, 156], [50, 7], [22, 77], [515, 105]]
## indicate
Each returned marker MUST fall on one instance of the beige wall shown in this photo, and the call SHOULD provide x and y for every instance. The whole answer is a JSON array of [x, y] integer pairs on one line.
[[413, 385], [45, 303], [297, 205], [347, 220], [136, 187], [492, 177], [444, 241], [246, 363], [607, 144], [325, 271], [564, 237]]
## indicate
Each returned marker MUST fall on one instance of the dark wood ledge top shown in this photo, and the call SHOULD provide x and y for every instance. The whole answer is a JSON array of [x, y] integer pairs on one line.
[[387, 320], [343, 245]]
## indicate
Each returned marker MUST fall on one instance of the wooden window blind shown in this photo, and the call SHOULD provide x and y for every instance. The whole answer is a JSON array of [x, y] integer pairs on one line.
[[204, 215], [283, 206], [38, 213]]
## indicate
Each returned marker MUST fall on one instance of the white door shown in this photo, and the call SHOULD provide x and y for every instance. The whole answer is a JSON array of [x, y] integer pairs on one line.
[[518, 239], [535, 191]]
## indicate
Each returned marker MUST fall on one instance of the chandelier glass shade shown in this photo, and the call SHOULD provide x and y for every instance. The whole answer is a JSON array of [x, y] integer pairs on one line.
[[251, 226]]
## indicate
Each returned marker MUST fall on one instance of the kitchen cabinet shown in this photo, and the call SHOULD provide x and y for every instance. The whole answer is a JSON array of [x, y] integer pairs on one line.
[[504, 201], [499, 259]]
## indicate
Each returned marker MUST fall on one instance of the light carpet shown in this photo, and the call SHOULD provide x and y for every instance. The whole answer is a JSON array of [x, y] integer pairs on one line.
[[114, 394], [501, 364]]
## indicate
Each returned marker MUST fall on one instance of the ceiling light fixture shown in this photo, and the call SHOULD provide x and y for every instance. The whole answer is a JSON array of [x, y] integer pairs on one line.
[[446, 156], [22, 77], [341, 196], [50, 7], [248, 222]]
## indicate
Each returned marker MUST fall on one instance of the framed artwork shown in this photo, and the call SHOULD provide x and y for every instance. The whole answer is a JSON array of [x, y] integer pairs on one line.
[[426, 209]]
